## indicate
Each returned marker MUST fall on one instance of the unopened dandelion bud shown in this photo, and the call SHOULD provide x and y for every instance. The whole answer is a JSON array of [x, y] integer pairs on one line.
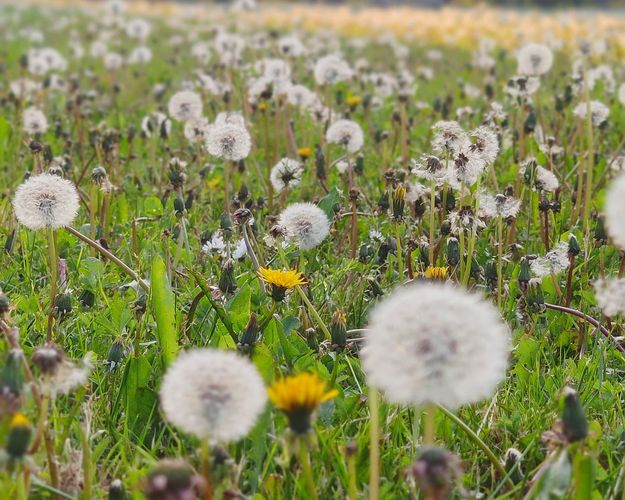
[[179, 205], [116, 353], [383, 202], [63, 304], [525, 274], [491, 274], [365, 252], [5, 303], [535, 298], [242, 216], [574, 422], [117, 490], [320, 164], [600, 235], [374, 286], [98, 174], [453, 252], [11, 380], [399, 202], [20, 432], [227, 280], [249, 336], [173, 479], [139, 306], [435, 471], [338, 330], [226, 223], [574, 248], [311, 339], [512, 464]]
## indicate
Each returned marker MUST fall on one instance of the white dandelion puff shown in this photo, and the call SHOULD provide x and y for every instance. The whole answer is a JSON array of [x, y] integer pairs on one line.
[[499, 205], [213, 394], [610, 294], [331, 69], [599, 112], [423, 340], [534, 59], [230, 142], [347, 133], [196, 129], [305, 223], [46, 201], [615, 211], [34, 121], [185, 105], [554, 261]]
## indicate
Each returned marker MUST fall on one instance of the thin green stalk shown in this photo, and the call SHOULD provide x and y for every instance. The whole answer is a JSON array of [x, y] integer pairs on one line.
[[352, 490], [374, 444], [432, 206], [429, 425], [591, 158], [400, 257], [478, 441], [54, 278], [304, 459]]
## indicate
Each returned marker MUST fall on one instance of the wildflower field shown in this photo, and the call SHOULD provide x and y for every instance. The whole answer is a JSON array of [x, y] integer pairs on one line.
[[311, 253]]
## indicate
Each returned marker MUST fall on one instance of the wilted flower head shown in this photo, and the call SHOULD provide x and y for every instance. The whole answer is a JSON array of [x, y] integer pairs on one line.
[[46, 201], [286, 173], [534, 59], [347, 133], [196, 129], [610, 295], [156, 122], [228, 141], [305, 223], [430, 168], [615, 211], [543, 179], [448, 136], [212, 394], [467, 165], [498, 205], [185, 105], [464, 219], [598, 111], [424, 339], [34, 121], [522, 86], [331, 69], [485, 144], [554, 261]]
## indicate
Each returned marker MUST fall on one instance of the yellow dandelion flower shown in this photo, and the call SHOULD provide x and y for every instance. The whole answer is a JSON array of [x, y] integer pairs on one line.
[[436, 273], [19, 420], [304, 152], [262, 106], [298, 396], [281, 281], [353, 101]]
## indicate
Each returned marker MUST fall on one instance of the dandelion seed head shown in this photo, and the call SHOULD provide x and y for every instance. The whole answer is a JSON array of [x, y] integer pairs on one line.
[[554, 261], [34, 121], [212, 394], [228, 141], [185, 105], [331, 69], [346, 133], [305, 223], [46, 201], [534, 59], [286, 173], [599, 112], [614, 211], [610, 294], [196, 129], [448, 136], [423, 340]]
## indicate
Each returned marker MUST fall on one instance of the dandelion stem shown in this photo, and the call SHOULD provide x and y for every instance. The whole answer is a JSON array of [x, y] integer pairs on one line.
[[109, 256], [429, 425], [304, 459], [478, 441], [352, 490], [206, 469], [374, 445], [432, 206], [54, 278], [400, 257]]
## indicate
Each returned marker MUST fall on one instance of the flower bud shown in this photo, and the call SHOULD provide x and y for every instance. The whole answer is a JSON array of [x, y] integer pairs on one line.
[[338, 330], [172, 479], [574, 422], [20, 433], [227, 280], [436, 471]]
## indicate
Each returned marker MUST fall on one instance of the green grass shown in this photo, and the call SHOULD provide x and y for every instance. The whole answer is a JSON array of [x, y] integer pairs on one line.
[[127, 433]]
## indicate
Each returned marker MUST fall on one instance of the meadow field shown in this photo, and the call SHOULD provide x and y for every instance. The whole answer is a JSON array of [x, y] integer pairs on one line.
[[311, 252]]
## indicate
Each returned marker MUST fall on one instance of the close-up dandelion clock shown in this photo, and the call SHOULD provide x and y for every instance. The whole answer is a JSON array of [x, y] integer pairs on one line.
[[185, 105], [46, 201], [212, 394], [347, 133], [305, 224], [424, 339], [228, 141]]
